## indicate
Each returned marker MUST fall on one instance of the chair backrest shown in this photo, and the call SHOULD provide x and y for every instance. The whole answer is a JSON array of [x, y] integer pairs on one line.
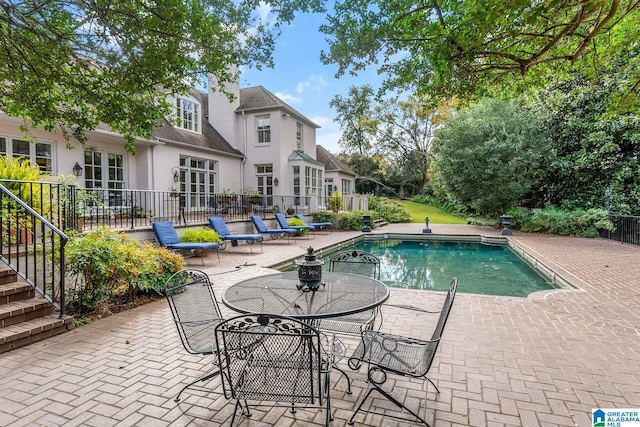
[[446, 308], [194, 308], [282, 221], [356, 262], [258, 223], [269, 357], [218, 224], [302, 218], [165, 233]]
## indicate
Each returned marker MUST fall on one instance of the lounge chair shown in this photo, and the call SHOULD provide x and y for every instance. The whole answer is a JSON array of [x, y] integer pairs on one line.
[[282, 222], [274, 233], [167, 237], [218, 224], [318, 225]]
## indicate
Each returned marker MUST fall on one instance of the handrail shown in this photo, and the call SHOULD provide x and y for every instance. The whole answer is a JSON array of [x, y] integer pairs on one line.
[[29, 244]]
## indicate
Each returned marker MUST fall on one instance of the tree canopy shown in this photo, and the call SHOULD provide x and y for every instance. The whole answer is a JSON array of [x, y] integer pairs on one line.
[[71, 65], [464, 49]]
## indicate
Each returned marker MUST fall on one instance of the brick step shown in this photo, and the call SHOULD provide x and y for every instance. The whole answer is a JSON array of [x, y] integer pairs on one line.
[[30, 331], [7, 275], [380, 223], [15, 291], [24, 310]]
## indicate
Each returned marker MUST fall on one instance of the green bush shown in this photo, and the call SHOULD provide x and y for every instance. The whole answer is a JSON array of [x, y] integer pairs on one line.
[[353, 220], [323, 216], [389, 210], [112, 269], [296, 222], [579, 222], [335, 201], [200, 235]]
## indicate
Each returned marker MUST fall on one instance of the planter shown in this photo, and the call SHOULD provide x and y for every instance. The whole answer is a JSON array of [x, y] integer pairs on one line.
[[174, 194], [201, 253], [291, 211]]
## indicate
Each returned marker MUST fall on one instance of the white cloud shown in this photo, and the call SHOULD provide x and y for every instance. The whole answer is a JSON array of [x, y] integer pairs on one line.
[[316, 83], [289, 99], [321, 120]]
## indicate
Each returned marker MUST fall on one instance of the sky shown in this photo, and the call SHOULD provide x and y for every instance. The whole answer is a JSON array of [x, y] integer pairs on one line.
[[301, 80]]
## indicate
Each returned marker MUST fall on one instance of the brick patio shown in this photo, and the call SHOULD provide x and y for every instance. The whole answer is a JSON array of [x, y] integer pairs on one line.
[[546, 360]]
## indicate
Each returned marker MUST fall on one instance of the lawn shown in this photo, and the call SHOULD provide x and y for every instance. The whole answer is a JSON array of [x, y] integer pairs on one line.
[[436, 216]]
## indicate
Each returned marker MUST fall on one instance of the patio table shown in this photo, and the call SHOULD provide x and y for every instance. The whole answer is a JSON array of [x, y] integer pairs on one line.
[[339, 295]]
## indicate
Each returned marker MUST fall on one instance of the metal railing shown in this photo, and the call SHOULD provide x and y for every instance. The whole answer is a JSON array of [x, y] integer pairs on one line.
[[627, 229], [29, 243]]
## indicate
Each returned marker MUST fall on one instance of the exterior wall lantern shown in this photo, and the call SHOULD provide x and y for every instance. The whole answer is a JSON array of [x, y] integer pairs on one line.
[[176, 174], [275, 181], [426, 225], [77, 170]]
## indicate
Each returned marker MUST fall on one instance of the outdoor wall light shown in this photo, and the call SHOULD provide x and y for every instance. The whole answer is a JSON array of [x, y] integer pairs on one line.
[[275, 181], [335, 188], [176, 174], [77, 170]]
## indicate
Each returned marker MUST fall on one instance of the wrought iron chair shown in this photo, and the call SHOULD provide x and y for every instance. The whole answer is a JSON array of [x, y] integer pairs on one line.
[[275, 359], [354, 262], [388, 354], [196, 313]]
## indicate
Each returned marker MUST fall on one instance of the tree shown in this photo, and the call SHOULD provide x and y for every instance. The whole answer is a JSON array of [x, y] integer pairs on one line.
[[352, 113], [72, 65], [486, 156], [464, 49]]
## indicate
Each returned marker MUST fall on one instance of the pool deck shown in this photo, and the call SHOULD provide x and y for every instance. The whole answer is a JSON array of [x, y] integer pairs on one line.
[[546, 360]]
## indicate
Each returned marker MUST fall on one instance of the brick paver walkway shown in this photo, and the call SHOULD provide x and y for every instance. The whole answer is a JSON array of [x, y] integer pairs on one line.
[[546, 360]]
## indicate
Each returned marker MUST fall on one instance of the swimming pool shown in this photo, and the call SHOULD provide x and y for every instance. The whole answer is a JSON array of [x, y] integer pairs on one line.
[[488, 269]]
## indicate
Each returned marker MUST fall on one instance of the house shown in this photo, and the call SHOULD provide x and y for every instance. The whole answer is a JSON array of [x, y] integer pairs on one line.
[[255, 142], [338, 176]]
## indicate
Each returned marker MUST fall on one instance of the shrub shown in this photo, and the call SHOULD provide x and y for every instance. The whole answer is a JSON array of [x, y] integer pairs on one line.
[[579, 222], [112, 268], [353, 220], [323, 216], [389, 210], [298, 223], [200, 235], [335, 202]]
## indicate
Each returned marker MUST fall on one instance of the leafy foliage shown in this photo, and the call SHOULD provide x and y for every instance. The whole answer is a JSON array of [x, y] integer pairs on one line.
[[592, 151], [335, 202], [352, 220], [298, 223], [388, 209], [200, 235], [485, 156], [71, 65], [113, 267], [579, 222], [468, 49]]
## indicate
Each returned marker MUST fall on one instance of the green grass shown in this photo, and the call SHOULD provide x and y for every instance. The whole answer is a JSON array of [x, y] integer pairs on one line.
[[436, 216]]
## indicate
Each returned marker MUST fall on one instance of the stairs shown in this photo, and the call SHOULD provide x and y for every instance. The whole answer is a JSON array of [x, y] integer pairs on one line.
[[25, 318]]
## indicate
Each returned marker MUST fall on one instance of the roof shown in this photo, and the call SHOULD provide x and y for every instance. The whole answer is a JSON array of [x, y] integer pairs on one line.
[[209, 138], [331, 162], [258, 98], [301, 155]]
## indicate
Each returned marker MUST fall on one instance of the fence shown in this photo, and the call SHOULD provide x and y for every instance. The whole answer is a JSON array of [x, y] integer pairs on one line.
[[627, 229]]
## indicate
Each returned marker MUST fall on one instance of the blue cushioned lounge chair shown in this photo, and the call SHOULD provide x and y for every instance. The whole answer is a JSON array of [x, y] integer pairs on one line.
[[318, 225], [218, 224], [282, 222], [275, 233], [168, 237]]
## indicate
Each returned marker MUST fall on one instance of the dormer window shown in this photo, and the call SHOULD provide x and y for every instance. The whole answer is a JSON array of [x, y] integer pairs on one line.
[[188, 114]]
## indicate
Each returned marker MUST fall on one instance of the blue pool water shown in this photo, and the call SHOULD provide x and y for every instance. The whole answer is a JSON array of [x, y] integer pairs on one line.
[[480, 268]]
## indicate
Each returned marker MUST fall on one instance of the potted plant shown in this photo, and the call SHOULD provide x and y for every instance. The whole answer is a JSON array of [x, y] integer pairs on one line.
[[251, 196], [226, 197], [296, 222], [290, 210], [335, 202], [200, 235], [173, 192]]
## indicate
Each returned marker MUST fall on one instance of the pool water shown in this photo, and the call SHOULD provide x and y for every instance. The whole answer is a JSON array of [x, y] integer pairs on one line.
[[480, 268]]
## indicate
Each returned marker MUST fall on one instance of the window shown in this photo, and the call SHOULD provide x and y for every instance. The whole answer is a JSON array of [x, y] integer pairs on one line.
[[198, 178], [263, 124], [105, 170], [38, 152], [312, 181], [188, 114], [299, 136], [346, 186], [264, 179]]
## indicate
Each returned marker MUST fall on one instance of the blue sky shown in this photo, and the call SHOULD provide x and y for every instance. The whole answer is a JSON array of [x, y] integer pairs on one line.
[[301, 80]]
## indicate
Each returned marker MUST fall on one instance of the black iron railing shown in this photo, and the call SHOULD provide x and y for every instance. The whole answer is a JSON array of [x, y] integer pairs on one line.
[[29, 243], [627, 229]]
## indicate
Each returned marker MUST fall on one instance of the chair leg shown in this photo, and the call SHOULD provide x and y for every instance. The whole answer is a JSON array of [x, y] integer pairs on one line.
[[346, 377], [197, 380]]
